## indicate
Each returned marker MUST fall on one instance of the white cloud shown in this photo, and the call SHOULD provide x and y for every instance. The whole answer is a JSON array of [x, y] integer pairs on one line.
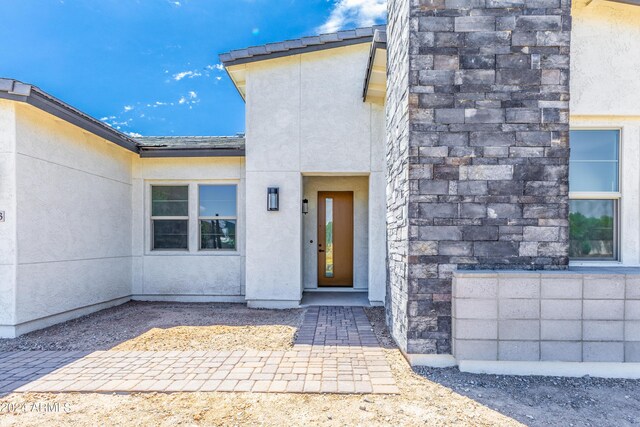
[[359, 13], [190, 98], [189, 74], [134, 134], [128, 108]]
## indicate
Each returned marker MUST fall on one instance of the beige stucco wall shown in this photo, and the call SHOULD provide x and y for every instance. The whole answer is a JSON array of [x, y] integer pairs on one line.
[[605, 88], [73, 194], [186, 275], [605, 58], [8, 250], [305, 115]]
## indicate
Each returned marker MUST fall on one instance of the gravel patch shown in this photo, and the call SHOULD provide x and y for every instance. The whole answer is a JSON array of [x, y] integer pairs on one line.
[[158, 326], [546, 401]]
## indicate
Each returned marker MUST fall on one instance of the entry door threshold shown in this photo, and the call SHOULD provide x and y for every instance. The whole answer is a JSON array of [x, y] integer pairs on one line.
[[337, 289], [354, 299]]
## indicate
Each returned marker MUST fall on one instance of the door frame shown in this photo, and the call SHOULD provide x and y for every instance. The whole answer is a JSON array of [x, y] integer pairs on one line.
[[346, 265]]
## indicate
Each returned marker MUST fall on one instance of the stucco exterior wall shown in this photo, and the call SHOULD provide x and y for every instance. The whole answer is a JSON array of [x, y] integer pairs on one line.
[[192, 275], [73, 194], [605, 59], [305, 115], [8, 250]]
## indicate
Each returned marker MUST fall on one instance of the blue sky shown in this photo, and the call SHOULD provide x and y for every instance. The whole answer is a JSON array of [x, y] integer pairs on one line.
[[151, 67]]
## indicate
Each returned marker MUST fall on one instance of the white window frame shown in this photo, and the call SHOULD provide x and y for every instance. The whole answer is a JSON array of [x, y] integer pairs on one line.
[[168, 218], [200, 218], [616, 196], [194, 221]]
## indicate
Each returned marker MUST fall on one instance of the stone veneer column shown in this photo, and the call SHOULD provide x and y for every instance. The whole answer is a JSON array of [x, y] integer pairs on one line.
[[477, 154], [397, 174]]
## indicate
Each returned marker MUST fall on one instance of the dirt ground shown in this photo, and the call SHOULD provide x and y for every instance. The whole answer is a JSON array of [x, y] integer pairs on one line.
[[531, 400], [428, 397], [159, 326]]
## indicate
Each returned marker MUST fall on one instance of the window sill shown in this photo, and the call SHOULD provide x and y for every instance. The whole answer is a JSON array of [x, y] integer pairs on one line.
[[198, 253], [597, 264]]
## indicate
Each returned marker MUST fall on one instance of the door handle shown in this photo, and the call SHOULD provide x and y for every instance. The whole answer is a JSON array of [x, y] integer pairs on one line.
[[320, 250]]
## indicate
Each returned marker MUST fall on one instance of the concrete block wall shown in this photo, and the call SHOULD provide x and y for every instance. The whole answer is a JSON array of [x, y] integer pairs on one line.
[[487, 166], [567, 316]]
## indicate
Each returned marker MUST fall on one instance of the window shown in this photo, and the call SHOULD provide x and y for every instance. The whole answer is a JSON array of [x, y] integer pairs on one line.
[[170, 217], [594, 194], [217, 217]]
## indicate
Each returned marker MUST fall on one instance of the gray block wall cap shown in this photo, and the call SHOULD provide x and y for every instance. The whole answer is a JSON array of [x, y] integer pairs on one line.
[[301, 45], [22, 92]]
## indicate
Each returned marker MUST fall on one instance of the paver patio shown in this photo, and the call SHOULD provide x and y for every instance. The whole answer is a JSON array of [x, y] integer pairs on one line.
[[335, 352]]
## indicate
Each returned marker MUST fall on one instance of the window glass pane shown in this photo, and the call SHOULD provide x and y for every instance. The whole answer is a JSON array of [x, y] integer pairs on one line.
[[592, 229], [217, 200], [170, 234], [593, 176], [169, 200], [594, 145], [594, 160], [217, 234], [328, 268]]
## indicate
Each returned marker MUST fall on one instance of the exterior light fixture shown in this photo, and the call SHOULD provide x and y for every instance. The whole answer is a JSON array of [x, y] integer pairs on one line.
[[305, 206], [272, 199]]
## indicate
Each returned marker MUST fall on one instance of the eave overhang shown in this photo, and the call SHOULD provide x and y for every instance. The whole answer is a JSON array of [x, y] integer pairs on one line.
[[631, 2], [375, 82], [21, 92], [156, 152]]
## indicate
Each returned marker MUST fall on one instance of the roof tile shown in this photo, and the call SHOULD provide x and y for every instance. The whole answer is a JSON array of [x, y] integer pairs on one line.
[[309, 41], [191, 142]]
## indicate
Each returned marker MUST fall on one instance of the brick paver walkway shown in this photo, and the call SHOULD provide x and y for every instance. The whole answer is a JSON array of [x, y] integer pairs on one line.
[[335, 352]]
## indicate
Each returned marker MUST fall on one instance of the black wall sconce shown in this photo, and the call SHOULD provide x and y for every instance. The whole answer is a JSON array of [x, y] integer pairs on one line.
[[305, 206], [273, 202]]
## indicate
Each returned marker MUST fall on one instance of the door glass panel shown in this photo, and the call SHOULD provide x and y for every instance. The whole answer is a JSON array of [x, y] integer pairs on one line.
[[328, 268]]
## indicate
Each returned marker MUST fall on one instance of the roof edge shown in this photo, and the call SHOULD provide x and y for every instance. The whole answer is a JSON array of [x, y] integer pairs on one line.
[[295, 51], [299, 46], [15, 90], [163, 152], [629, 2], [379, 42]]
